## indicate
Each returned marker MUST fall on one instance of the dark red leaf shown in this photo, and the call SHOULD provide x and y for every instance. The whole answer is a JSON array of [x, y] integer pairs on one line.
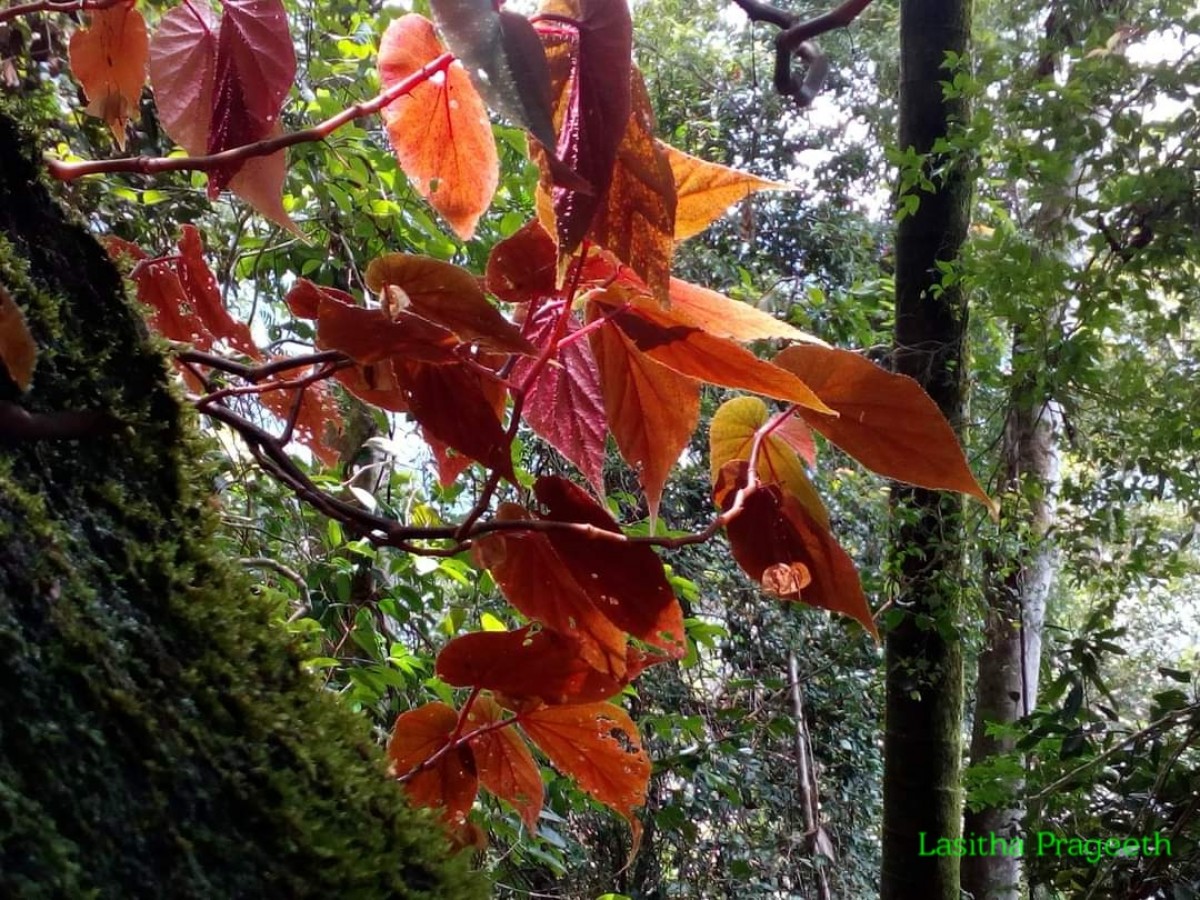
[[590, 68], [526, 664], [451, 782], [625, 582]]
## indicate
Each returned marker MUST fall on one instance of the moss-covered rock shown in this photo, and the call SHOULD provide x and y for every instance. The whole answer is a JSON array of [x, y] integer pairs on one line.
[[157, 739]]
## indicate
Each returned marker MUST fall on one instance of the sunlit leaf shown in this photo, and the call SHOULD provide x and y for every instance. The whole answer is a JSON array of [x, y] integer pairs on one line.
[[725, 318], [887, 422], [440, 130], [109, 58], [731, 437], [204, 295], [651, 410], [451, 782], [506, 766], [598, 745], [706, 190], [670, 338]]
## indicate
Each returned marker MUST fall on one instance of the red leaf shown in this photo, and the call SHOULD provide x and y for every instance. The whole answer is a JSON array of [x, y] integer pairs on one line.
[[589, 77], [183, 59], [523, 267], [448, 296], [449, 463], [457, 406], [109, 59], [221, 83], [624, 581], [200, 288], [564, 405], [450, 783], [506, 767], [371, 335], [253, 72], [536, 582], [778, 543], [651, 410], [440, 130], [887, 422], [526, 664], [636, 220], [598, 745]]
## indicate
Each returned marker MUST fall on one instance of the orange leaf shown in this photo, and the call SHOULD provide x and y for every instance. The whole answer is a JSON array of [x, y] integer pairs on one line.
[[625, 581], [18, 352], [451, 782], [526, 664], [651, 410], [725, 318], [706, 190], [506, 767], [731, 437], [636, 220], [448, 296], [109, 59], [777, 542], [440, 130], [887, 422], [670, 338], [536, 582], [598, 745], [590, 67]]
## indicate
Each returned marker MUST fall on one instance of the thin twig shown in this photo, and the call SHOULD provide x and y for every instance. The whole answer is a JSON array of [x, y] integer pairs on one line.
[[152, 165], [55, 6]]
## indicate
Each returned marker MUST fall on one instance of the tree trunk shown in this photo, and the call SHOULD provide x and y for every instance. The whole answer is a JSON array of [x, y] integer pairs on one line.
[[922, 742], [157, 736], [1016, 591]]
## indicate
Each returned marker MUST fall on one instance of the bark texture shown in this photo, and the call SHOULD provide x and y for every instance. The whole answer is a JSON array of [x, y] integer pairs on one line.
[[922, 741], [157, 738]]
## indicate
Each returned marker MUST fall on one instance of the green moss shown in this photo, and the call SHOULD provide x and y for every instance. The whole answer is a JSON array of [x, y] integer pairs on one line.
[[157, 738]]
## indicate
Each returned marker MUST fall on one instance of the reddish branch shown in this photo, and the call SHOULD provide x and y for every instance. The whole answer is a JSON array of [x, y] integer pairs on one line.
[[55, 6], [797, 38], [270, 452], [151, 165]]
